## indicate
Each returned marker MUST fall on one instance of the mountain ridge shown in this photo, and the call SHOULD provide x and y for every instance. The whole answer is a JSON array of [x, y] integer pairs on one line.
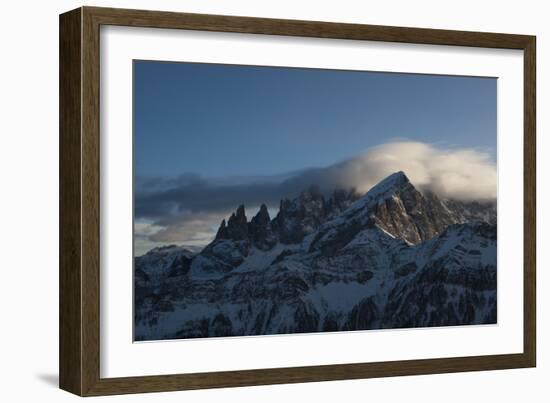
[[295, 272]]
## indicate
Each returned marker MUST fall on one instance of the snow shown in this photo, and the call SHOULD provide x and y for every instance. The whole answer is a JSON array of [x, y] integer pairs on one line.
[[256, 292], [340, 297], [259, 260], [157, 262]]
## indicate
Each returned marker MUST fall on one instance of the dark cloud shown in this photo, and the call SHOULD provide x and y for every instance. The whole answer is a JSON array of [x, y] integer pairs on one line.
[[205, 197]]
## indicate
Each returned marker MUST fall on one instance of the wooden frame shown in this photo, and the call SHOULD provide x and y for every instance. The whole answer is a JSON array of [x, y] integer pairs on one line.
[[79, 201]]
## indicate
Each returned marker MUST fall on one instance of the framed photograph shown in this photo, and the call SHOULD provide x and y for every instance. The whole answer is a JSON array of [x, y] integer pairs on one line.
[[249, 201]]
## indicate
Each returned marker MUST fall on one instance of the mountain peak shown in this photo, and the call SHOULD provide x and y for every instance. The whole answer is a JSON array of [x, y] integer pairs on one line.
[[260, 231], [395, 181], [395, 206], [262, 215], [400, 176], [222, 231], [240, 212], [401, 210], [236, 228]]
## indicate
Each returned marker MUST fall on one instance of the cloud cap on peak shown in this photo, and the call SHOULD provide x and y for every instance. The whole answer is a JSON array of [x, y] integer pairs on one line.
[[462, 174]]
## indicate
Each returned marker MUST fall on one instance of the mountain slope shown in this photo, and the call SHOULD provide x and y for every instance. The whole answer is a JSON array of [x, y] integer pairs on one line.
[[395, 257]]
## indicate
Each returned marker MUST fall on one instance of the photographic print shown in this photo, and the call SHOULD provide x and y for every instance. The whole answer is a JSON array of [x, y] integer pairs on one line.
[[275, 200]]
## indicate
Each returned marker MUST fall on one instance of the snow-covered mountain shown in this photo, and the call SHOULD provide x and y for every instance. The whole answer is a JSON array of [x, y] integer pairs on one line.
[[162, 262], [393, 257]]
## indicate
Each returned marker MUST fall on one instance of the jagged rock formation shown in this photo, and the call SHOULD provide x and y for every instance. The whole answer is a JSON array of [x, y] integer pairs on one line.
[[410, 215], [260, 230], [299, 217], [394, 257]]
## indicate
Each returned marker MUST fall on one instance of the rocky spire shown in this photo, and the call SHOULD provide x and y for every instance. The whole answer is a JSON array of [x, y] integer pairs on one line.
[[237, 228], [260, 231], [222, 231], [262, 218]]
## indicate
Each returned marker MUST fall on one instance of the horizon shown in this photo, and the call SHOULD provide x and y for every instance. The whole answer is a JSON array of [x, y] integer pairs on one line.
[[209, 137]]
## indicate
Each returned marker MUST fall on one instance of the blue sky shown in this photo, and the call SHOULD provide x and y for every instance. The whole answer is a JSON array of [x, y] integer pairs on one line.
[[222, 120], [209, 137]]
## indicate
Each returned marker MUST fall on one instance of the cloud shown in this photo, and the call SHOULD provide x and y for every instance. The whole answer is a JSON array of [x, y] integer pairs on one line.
[[463, 174], [195, 228], [188, 208], [192, 230]]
